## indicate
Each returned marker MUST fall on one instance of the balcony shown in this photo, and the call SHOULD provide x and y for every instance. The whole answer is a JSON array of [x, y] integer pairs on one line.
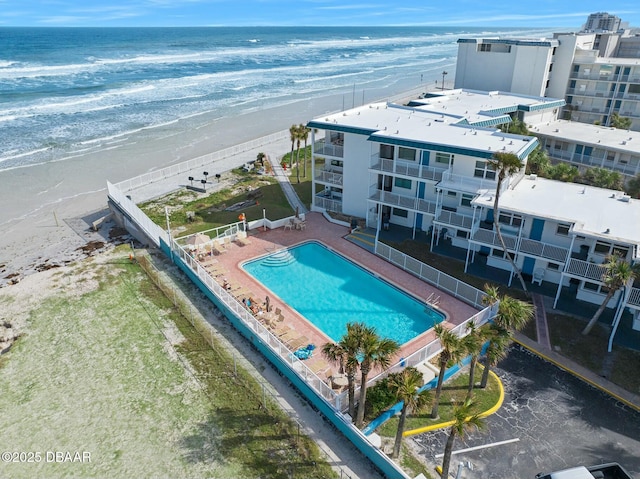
[[328, 176], [323, 148], [329, 204], [489, 237], [406, 202], [450, 218], [544, 250], [406, 169], [583, 269], [466, 183], [634, 298]]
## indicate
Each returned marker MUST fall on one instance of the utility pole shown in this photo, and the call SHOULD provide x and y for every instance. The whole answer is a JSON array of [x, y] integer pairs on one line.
[[444, 73]]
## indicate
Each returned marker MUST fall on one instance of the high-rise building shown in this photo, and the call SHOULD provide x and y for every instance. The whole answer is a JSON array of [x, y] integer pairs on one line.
[[587, 69], [602, 22]]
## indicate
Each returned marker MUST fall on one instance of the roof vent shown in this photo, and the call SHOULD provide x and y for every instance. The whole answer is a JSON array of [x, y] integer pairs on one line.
[[607, 231], [533, 177], [511, 142], [625, 198]]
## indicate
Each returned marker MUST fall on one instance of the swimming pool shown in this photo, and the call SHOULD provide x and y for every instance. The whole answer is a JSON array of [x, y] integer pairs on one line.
[[331, 291]]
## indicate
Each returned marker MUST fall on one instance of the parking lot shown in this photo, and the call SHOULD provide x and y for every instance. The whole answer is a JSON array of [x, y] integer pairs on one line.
[[550, 420]]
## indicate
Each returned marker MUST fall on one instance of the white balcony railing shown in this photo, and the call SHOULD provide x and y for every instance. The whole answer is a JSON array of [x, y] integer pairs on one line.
[[467, 183], [329, 177], [544, 250], [455, 219], [406, 169], [328, 204], [328, 149], [634, 298], [584, 269], [405, 202], [489, 237]]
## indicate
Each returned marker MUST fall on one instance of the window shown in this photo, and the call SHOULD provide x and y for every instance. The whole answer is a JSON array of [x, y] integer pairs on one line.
[[386, 152], [563, 229], [553, 266], [402, 183], [510, 219], [465, 200], [401, 213], [338, 163], [444, 159], [605, 249], [602, 248], [484, 170], [462, 234], [591, 286], [484, 47], [408, 154], [452, 193]]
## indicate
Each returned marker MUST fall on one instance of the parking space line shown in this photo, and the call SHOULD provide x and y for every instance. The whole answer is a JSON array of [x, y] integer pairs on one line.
[[493, 444]]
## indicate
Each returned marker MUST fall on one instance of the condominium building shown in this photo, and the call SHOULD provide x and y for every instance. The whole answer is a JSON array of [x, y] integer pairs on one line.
[[603, 22], [597, 72], [425, 166], [590, 146]]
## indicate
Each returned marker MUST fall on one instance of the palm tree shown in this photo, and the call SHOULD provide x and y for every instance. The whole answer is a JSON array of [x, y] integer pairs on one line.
[[345, 353], [405, 386], [499, 340], [293, 132], [299, 133], [617, 273], [472, 344], [374, 352], [463, 421], [451, 351], [304, 134], [506, 164], [513, 314]]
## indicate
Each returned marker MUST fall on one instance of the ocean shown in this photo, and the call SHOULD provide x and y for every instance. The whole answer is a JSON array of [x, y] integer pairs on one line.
[[68, 92]]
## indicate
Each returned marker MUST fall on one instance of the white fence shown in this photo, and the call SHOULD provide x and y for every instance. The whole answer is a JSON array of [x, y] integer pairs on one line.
[[440, 280], [189, 165], [141, 221], [241, 312]]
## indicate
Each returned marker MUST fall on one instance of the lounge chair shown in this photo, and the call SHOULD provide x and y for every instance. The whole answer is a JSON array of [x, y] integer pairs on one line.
[[538, 275], [297, 343], [242, 241]]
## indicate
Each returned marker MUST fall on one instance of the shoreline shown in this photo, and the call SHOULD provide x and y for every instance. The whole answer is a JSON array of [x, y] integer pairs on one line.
[[49, 208]]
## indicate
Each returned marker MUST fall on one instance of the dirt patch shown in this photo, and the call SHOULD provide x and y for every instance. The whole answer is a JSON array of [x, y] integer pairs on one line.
[[91, 247]]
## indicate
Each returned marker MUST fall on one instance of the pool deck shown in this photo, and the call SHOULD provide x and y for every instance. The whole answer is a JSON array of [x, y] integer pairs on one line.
[[318, 228]]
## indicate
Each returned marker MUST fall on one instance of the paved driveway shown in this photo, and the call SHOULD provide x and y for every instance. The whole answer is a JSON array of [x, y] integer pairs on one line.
[[549, 420]]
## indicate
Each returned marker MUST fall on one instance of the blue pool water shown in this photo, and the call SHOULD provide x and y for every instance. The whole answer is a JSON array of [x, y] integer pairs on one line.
[[331, 291]]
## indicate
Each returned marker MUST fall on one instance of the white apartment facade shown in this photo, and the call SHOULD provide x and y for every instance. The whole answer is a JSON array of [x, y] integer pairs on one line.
[[584, 68], [425, 167], [590, 146]]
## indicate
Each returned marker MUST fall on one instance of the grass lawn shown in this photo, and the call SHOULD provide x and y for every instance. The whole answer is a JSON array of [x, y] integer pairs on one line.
[[454, 392], [210, 210], [112, 370]]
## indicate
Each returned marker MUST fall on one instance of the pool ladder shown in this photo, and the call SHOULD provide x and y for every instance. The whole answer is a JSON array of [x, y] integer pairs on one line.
[[433, 300]]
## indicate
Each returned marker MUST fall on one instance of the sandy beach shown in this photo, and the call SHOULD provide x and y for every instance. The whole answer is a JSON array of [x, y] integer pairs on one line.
[[48, 209]]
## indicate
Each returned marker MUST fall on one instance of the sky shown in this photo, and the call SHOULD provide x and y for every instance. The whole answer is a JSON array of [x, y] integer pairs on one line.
[[140, 13]]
